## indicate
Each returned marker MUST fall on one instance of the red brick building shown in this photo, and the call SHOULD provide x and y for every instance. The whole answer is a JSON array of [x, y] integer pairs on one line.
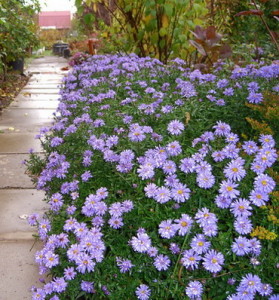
[[55, 19]]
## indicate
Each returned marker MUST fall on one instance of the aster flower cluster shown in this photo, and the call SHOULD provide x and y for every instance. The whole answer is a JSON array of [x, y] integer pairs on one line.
[[140, 196]]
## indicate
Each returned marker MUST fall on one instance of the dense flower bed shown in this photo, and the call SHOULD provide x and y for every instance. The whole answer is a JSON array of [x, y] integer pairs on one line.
[[154, 186]]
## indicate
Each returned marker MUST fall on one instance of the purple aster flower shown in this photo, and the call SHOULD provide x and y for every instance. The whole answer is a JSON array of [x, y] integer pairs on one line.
[[194, 290], [174, 148], [152, 252], [124, 265], [218, 156], [143, 292], [265, 289], [241, 208], [255, 98], [116, 209], [146, 171], [241, 246], [205, 180], [250, 283], [59, 284], [243, 225], [190, 259], [51, 259], [162, 262], [267, 141], [180, 193], [187, 165], [84, 263], [227, 189], [255, 246], [184, 224], [56, 202], [221, 83], [231, 151], [71, 209], [86, 176], [266, 157], [56, 141], [69, 273], [33, 219], [213, 261], [87, 286], [205, 217], [136, 135], [172, 181], [174, 248], [175, 127], [38, 294], [228, 91], [127, 205], [141, 243], [264, 183], [250, 147], [167, 229], [234, 171], [210, 229], [200, 244], [223, 202], [151, 190], [115, 222], [221, 129], [169, 167], [162, 195]]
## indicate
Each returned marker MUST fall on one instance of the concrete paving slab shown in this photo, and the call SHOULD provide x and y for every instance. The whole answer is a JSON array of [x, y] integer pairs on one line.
[[13, 171], [19, 143], [46, 78], [36, 97], [26, 120], [40, 91], [38, 85], [18, 271], [15, 206], [35, 104]]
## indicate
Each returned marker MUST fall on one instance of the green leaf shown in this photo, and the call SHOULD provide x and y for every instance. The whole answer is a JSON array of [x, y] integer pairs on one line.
[[168, 9], [163, 32]]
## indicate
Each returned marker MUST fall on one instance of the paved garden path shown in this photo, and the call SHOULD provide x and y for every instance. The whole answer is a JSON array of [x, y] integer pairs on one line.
[[32, 109]]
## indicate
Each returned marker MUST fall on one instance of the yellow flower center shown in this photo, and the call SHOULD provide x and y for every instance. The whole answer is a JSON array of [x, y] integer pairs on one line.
[[264, 182], [192, 258], [229, 188], [184, 224], [214, 260], [235, 170], [200, 243], [180, 192]]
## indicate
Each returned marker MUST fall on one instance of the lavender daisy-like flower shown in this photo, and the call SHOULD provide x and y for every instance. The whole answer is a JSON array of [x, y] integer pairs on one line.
[[265, 289], [184, 224], [115, 222], [124, 265], [213, 261], [205, 180], [250, 147], [223, 202], [174, 148], [69, 273], [242, 225], [162, 262], [241, 208], [146, 171], [221, 129], [167, 229], [175, 127], [200, 244], [180, 193], [84, 263], [87, 286], [143, 292], [194, 290], [241, 246], [141, 243], [258, 197], [205, 217], [162, 195], [234, 171], [187, 165], [267, 140], [251, 283], [150, 190], [228, 189], [190, 259], [264, 183]]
